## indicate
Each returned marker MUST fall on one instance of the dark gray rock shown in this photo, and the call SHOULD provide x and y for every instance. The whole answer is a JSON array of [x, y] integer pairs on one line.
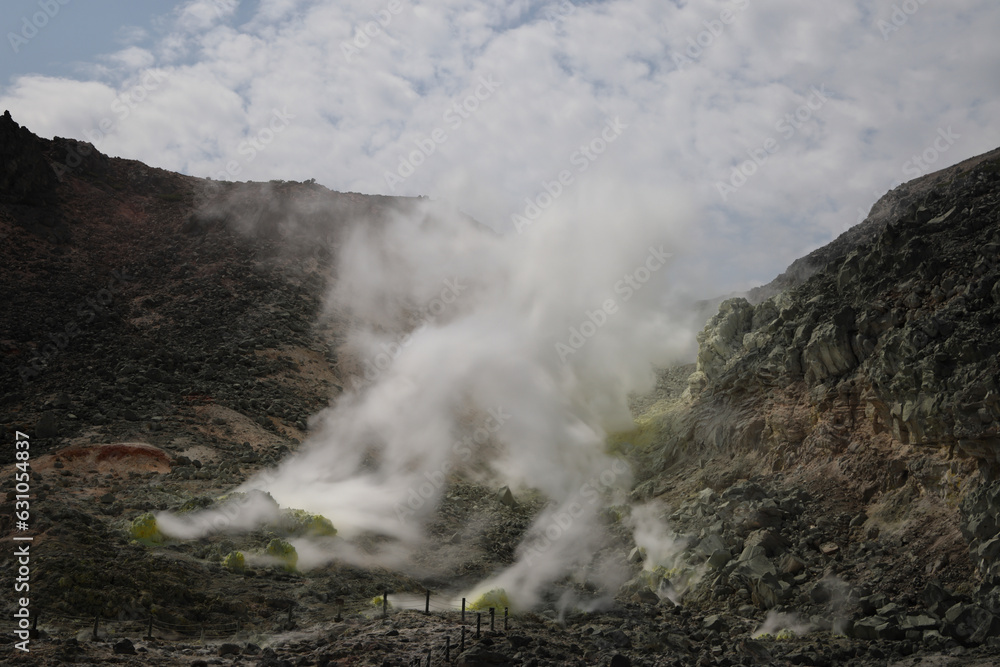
[[229, 649], [124, 647], [48, 425]]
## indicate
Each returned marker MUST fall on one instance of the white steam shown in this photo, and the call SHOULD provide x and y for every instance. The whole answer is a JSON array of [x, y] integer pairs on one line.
[[502, 356], [778, 624], [660, 545]]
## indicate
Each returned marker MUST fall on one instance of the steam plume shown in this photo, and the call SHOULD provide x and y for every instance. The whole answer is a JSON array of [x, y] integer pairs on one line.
[[510, 356]]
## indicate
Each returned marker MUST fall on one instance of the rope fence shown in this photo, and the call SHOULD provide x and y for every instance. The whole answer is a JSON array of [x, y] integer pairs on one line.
[[492, 619]]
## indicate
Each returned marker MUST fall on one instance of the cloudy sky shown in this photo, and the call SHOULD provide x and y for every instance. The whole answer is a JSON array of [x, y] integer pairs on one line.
[[779, 120]]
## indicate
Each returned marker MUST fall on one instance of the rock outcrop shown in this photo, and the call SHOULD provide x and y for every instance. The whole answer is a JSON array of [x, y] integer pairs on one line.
[[875, 373], [25, 174], [904, 330]]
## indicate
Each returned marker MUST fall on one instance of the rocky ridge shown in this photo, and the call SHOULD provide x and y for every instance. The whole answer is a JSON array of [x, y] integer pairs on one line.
[[874, 381]]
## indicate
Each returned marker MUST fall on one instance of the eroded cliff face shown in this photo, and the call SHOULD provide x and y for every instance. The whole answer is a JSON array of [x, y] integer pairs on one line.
[[876, 379], [901, 334]]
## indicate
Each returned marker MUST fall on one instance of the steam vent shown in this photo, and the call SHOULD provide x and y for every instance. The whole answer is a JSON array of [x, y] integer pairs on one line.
[[500, 334]]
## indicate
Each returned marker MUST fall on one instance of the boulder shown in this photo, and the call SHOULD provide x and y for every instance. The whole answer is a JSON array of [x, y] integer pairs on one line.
[[719, 559], [124, 647], [48, 425], [229, 649], [828, 353], [505, 497], [722, 337], [758, 575], [770, 540]]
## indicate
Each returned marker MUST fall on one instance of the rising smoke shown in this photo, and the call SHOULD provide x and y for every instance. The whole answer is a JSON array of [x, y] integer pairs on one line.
[[508, 358]]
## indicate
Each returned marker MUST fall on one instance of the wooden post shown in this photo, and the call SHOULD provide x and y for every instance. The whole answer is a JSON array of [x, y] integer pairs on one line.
[[461, 647], [427, 603], [492, 617], [291, 605], [149, 628], [428, 658], [202, 633], [340, 609], [447, 648], [505, 619], [385, 603], [479, 620], [463, 611], [33, 633], [97, 622]]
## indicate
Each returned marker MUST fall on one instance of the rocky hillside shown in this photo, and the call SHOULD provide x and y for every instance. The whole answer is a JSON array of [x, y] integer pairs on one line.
[[890, 207], [867, 391], [828, 466]]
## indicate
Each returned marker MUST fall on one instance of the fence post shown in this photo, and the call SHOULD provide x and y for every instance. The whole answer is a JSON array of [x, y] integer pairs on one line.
[[290, 607], [463, 611], [492, 617], [385, 603], [428, 658], [202, 626], [461, 648], [149, 628], [505, 619], [33, 633], [427, 603], [97, 622], [447, 648], [340, 610], [479, 619]]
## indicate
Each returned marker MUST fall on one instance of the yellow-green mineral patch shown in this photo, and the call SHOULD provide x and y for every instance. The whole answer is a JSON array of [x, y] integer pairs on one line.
[[234, 561], [302, 523], [496, 598], [284, 552], [145, 530]]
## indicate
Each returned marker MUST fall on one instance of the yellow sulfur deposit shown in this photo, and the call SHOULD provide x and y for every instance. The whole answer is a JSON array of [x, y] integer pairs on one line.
[[234, 561], [283, 551], [300, 523], [145, 530], [496, 598]]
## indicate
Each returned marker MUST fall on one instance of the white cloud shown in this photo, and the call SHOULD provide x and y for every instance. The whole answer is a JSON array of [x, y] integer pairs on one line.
[[197, 15], [130, 59], [688, 127], [131, 34]]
